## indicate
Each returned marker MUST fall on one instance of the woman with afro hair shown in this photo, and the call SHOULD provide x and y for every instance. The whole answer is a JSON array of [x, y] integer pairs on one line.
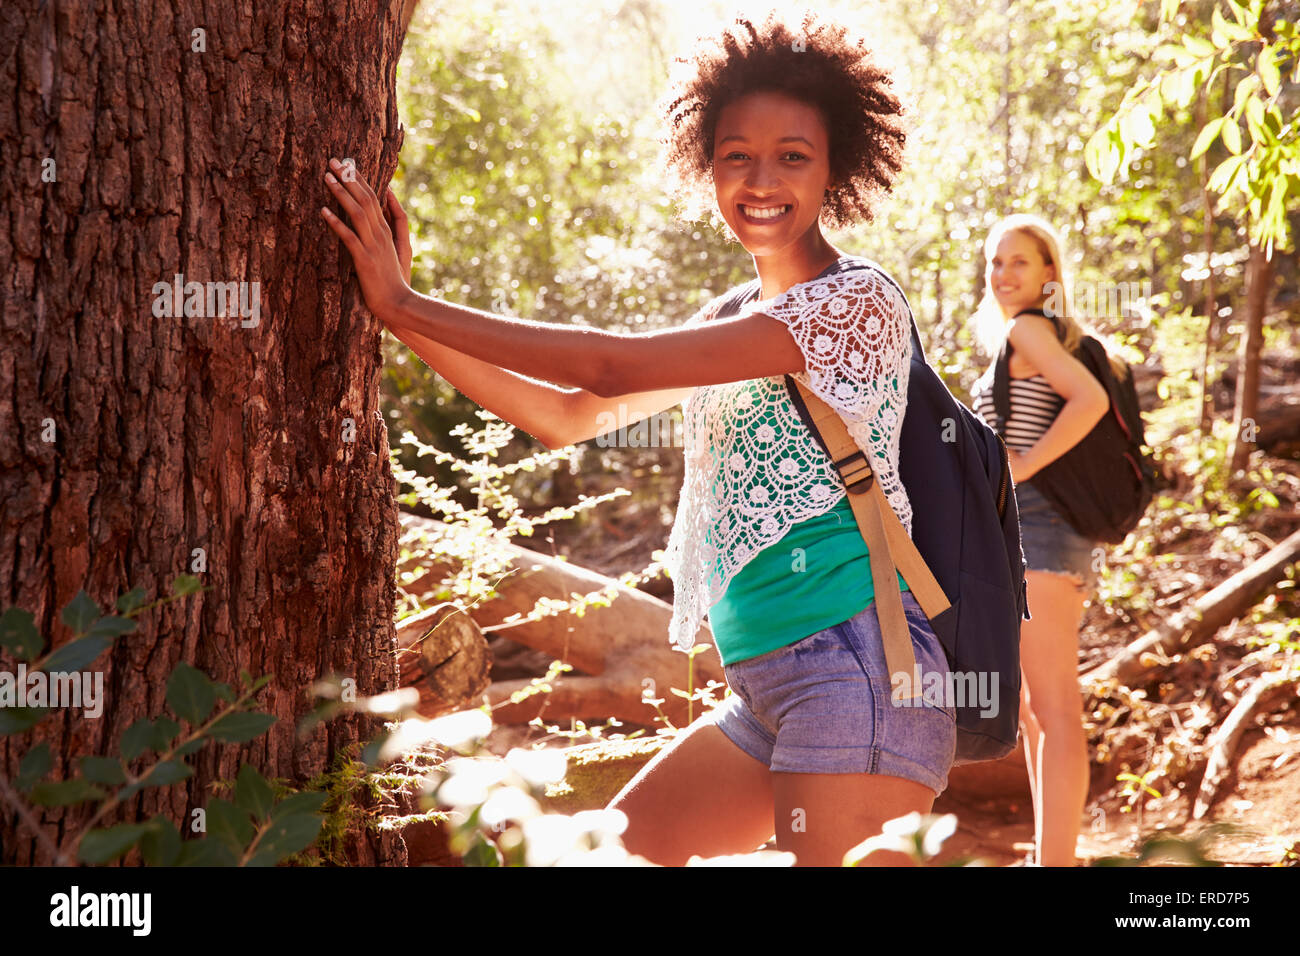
[[775, 127]]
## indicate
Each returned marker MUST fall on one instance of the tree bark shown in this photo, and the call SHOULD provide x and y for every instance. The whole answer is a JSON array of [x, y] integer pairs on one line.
[[1259, 279], [152, 139], [1211, 302]]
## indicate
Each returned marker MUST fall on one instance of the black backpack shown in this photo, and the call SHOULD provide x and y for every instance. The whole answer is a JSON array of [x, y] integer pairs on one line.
[[1103, 485], [967, 529]]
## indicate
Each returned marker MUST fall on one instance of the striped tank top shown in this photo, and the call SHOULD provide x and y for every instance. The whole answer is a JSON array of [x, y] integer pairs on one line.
[[1034, 406]]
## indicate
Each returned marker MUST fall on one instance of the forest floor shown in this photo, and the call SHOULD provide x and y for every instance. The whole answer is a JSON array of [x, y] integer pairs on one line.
[[1162, 733]]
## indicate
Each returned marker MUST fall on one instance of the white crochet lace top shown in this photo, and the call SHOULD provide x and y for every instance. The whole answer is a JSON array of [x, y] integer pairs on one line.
[[742, 492]]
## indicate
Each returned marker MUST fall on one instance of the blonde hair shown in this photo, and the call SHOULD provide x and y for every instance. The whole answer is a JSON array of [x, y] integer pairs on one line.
[[1057, 296]]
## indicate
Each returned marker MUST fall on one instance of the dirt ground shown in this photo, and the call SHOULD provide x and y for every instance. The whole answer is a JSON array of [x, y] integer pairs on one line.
[[1260, 796], [1262, 791]]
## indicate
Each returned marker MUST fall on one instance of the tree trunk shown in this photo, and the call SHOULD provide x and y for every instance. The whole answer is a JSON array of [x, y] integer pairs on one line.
[[1245, 419], [1211, 303], [142, 142]]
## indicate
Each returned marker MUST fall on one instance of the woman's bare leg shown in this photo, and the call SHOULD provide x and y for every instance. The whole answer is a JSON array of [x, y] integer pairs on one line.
[[1049, 658], [821, 816], [700, 796]]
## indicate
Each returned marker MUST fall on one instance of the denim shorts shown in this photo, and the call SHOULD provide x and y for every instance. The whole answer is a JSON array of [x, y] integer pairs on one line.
[[1050, 544], [822, 705]]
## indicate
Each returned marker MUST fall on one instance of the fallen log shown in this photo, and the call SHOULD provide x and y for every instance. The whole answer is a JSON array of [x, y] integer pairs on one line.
[[1198, 623], [1261, 695], [621, 651], [442, 654]]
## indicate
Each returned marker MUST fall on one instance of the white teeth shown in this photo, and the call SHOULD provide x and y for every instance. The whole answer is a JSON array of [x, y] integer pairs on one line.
[[770, 213]]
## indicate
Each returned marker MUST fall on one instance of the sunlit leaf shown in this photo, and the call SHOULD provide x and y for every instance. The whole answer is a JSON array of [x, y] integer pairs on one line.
[[1207, 136], [1266, 65]]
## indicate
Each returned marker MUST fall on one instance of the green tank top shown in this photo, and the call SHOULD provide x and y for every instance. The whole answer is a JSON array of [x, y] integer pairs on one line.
[[818, 575]]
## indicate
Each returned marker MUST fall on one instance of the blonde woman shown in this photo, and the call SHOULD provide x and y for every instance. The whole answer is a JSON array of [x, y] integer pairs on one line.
[[1055, 402]]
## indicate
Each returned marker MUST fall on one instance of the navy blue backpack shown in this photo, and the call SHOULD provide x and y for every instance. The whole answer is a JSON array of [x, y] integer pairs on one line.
[[966, 526]]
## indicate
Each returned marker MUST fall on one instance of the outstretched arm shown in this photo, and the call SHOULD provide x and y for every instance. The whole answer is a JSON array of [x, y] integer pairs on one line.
[[603, 363], [1086, 400]]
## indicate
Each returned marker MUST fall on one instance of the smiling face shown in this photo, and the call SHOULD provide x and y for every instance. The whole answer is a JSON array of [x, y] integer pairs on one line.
[[1018, 272], [771, 169]]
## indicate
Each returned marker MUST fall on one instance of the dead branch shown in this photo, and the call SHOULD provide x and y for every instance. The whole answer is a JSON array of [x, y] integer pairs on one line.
[[1198, 623], [1261, 694]]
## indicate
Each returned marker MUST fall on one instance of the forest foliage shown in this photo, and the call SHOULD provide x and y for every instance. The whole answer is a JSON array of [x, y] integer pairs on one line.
[[529, 170]]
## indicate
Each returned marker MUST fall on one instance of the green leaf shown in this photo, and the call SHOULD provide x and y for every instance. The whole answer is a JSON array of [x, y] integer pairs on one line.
[[1135, 126], [194, 746], [1177, 87], [100, 846], [238, 727], [62, 793], [103, 770], [1245, 90], [161, 843], [80, 613], [482, 853], [165, 731], [1266, 66], [287, 835], [1277, 213], [1224, 174], [34, 765], [307, 801], [167, 773], [76, 655], [113, 626], [1208, 132], [252, 792], [1226, 32], [186, 584], [229, 824], [1199, 46], [131, 600], [189, 694], [1259, 131], [1101, 156], [206, 852], [17, 720], [224, 692], [136, 739], [18, 634], [1231, 134]]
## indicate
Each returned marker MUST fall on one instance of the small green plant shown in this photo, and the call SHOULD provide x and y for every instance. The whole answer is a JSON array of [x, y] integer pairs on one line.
[[706, 696], [253, 829], [1164, 849]]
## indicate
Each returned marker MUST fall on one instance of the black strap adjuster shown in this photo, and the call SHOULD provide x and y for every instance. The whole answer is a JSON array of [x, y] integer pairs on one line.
[[855, 471]]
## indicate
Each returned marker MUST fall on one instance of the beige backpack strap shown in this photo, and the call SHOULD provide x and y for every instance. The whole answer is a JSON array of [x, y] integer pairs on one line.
[[888, 543]]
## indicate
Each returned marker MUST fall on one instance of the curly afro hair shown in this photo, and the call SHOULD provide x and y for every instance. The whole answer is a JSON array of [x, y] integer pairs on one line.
[[817, 62]]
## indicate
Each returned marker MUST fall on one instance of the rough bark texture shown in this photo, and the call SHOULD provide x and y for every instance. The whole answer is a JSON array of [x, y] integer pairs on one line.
[[208, 432], [1259, 282]]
